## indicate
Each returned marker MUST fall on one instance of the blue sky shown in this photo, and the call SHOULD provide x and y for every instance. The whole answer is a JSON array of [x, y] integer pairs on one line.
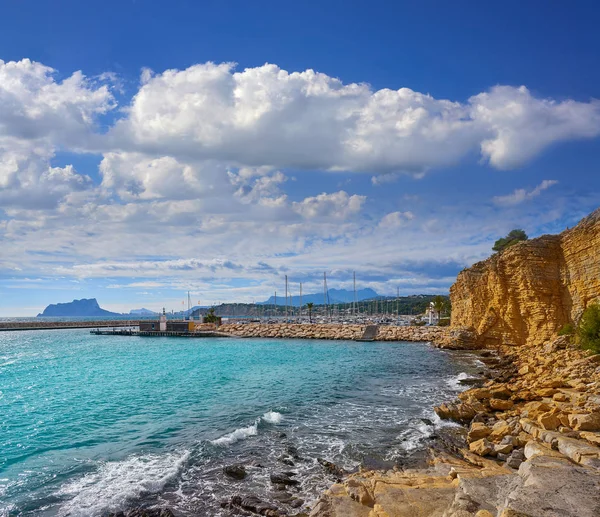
[[149, 147]]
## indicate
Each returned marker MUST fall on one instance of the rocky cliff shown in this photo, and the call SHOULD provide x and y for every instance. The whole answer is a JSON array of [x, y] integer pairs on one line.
[[526, 293]]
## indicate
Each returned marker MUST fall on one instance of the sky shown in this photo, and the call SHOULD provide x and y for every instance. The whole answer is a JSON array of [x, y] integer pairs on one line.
[[150, 148]]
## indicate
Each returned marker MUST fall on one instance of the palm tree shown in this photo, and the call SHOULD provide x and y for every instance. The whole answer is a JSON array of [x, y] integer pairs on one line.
[[439, 304], [310, 306]]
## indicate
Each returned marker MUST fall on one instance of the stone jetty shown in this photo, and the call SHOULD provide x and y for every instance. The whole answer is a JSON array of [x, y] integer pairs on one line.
[[442, 337]]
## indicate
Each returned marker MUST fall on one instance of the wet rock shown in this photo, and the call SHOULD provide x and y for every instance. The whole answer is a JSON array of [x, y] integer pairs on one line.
[[253, 504], [144, 512], [332, 468], [284, 478], [235, 471]]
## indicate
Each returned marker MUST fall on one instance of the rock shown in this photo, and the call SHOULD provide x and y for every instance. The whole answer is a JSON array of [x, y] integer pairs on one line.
[[478, 431], [283, 478], [476, 393], [461, 412], [481, 447], [515, 459], [483, 513], [549, 420], [593, 438], [503, 448], [332, 468], [235, 471], [144, 512], [500, 404], [585, 422], [500, 430]]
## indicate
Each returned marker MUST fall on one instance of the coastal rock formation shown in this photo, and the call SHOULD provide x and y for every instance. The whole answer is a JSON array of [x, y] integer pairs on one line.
[[526, 293], [532, 448]]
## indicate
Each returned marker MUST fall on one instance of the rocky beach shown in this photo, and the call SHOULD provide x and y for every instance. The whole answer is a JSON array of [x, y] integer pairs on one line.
[[532, 431]]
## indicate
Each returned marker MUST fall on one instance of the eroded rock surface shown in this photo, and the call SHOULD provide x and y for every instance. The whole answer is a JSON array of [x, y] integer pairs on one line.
[[526, 293]]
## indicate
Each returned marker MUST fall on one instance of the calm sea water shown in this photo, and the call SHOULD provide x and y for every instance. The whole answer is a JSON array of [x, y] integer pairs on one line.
[[96, 423]]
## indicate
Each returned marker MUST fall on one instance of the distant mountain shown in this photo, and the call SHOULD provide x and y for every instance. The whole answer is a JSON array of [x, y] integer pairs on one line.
[[142, 312], [335, 296], [84, 307]]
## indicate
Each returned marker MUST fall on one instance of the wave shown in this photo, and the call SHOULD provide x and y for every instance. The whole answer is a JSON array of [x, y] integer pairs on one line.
[[116, 483], [455, 383], [270, 417]]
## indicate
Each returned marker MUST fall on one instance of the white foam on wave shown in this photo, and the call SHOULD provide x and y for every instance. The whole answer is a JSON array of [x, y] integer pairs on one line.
[[237, 435], [116, 483], [454, 382], [272, 417]]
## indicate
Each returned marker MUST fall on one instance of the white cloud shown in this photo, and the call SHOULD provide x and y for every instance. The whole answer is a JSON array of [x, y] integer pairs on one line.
[[396, 219], [34, 105], [382, 179], [268, 116], [338, 205], [520, 195]]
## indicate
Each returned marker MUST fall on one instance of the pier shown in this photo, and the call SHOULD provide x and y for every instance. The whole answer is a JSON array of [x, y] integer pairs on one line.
[[63, 325], [158, 333]]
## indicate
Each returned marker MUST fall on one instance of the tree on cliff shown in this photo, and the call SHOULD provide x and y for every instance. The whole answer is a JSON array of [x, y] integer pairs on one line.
[[310, 306], [512, 238], [588, 328]]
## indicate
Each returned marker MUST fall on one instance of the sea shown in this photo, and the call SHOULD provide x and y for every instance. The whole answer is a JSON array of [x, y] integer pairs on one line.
[[95, 424]]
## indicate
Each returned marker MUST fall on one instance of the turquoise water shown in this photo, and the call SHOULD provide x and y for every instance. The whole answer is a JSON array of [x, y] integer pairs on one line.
[[97, 423]]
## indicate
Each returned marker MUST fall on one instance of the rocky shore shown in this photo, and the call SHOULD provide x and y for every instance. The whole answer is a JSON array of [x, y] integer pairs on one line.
[[531, 448]]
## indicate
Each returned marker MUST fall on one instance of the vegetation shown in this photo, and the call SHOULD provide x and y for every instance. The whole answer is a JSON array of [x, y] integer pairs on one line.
[[441, 305], [588, 329], [211, 317], [512, 238], [310, 306], [567, 330]]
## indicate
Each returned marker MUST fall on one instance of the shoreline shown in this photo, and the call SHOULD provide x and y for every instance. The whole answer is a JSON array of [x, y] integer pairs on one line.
[[531, 448]]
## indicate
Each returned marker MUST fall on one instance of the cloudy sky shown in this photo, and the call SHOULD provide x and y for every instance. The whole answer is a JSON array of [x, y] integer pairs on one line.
[[148, 148]]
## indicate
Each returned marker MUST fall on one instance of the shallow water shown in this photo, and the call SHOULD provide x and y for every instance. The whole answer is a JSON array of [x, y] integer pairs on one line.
[[96, 423]]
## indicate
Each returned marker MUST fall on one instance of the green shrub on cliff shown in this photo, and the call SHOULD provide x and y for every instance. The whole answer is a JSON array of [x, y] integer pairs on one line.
[[567, 330], [588, 328], [512, 238]]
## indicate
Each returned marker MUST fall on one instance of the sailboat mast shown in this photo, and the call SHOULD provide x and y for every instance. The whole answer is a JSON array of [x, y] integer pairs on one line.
[[325, 293], [301, 300], [354, 302], [286, 299]]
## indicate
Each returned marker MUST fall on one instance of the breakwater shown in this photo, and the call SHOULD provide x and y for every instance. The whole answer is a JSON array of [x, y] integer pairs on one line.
[[56, 325], [442, 337]]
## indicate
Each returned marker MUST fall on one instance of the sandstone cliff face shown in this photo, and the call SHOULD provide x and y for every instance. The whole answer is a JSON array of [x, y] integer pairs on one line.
[[525, 294]]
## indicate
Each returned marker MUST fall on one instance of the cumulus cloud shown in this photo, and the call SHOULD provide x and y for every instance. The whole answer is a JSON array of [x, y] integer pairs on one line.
[[198, 164], [34, 105], [520, 195], [338, 205], [268, 116]]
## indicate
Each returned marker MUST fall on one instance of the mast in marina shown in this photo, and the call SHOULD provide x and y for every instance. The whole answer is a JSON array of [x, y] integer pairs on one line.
[[286, 299], [325, 293]]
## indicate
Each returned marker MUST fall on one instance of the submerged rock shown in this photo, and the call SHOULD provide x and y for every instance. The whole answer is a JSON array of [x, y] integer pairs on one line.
[[235, 471], [284, 478]]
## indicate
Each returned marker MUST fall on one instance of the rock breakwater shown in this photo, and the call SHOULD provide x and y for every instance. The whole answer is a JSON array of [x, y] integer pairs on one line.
[[442, 337]]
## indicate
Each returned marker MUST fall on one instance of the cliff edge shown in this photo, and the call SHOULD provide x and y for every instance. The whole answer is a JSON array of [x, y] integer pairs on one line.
[[526, 293]]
